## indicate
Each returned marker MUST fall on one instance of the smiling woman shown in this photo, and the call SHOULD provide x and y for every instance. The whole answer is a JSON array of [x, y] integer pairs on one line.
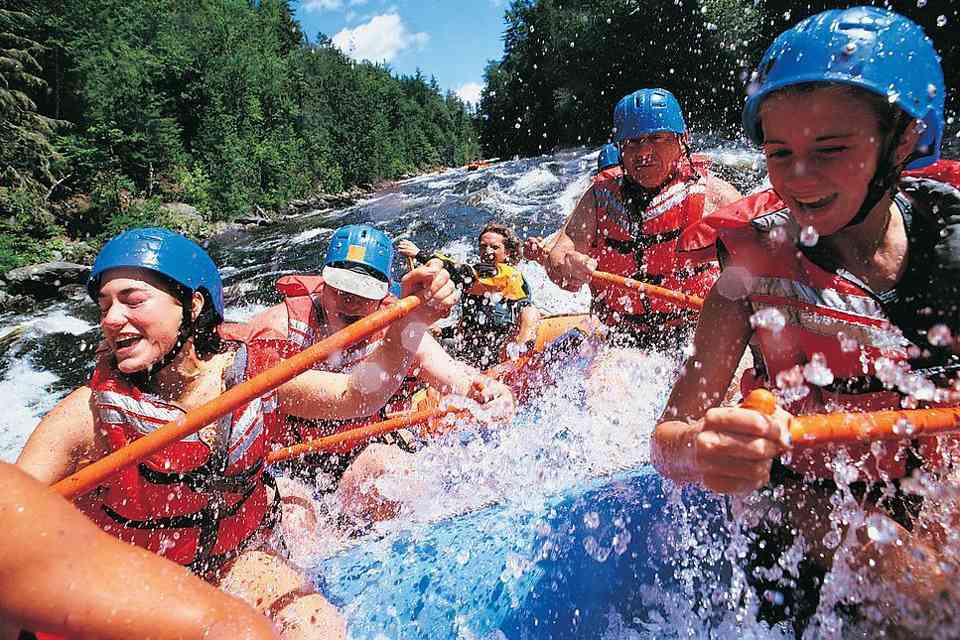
[[204, 501], [843, 272]]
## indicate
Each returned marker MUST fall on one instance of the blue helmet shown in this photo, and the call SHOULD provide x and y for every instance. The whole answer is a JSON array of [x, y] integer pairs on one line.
[[358, 261], [162, 251], [609, 156], [647, 111], [874, 49]]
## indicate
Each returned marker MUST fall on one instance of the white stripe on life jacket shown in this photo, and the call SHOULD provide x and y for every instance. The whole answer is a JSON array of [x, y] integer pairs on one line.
[[300, 333], [827, 312], [143, 415], [245, 430], [828, 299], [671, 198]]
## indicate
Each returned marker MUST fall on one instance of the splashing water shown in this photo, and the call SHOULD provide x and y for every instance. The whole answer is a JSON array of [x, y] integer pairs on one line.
[[554, 525]]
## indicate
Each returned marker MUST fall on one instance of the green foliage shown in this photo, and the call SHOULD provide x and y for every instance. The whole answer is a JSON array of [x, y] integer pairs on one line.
[[28, 233], [222, 104], [566, 64], [25, 152]]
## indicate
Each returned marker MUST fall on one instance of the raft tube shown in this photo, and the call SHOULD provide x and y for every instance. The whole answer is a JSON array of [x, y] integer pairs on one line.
[[590, 562]]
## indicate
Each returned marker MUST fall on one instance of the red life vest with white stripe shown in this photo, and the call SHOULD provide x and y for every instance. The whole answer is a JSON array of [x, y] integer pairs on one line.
[[197, 501], [643, 245], [306, 325], [828, 317]]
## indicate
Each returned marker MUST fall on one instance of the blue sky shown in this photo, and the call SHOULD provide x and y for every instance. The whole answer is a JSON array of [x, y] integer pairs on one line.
[[450, 39]]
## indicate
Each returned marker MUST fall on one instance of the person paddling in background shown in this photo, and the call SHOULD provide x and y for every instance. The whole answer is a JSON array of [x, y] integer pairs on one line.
[[845, 275], [49, 548], [498, 319], [204, 501], [629, 220], [355, 281]]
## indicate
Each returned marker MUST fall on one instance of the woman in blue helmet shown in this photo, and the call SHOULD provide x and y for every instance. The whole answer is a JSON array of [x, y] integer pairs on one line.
[[628, 223], [844, 276], [204, 501]]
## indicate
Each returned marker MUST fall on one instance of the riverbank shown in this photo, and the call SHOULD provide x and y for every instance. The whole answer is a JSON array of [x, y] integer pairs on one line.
[[64, 277]]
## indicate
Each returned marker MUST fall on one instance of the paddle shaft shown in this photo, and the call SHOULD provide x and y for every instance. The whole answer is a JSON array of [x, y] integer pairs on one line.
[[683, 300], [346, 441], [849, 428], [235, 397]]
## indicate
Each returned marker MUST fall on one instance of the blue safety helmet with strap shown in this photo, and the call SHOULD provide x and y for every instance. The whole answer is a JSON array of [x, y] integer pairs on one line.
[[162, 251], [609, 157], [874, 49], [647, 111], [358, 261]]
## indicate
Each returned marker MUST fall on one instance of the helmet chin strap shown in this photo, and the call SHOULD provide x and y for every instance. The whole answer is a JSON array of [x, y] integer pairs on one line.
[[141, 379], [885, 178]]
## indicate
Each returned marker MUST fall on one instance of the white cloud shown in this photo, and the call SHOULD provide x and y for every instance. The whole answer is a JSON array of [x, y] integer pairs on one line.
[[470, 92], [322, 5], [379, 40]]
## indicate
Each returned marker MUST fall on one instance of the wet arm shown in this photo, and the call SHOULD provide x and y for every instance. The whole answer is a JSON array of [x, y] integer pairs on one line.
[[64, 437], [320, 395], [528, 324], [577, 235], [721, 338], [441, 371], [66, 576]]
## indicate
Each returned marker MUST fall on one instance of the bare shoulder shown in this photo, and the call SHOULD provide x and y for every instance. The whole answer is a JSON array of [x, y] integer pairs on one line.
[[719, 194]]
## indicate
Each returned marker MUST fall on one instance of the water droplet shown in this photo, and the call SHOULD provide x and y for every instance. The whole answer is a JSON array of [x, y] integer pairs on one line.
[[921, 4], [939, 335], [832, 539], [463, 557], [768, 318], [941, 20], [882, 529], [847, 343], [773, 597], [778, 234], [620, 542], [932, 90], [809, 236], [817, 372], [591, 519]]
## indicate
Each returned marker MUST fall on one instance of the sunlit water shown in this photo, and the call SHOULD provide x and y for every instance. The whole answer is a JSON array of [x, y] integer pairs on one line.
[[553, 526]]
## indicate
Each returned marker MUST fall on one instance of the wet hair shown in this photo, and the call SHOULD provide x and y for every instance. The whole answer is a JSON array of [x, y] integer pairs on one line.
[[888, 116], [206, 339], [510, 239]]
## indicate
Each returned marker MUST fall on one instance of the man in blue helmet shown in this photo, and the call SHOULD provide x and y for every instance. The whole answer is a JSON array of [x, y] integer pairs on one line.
[[628, 223], [354, 282], [844, 276]]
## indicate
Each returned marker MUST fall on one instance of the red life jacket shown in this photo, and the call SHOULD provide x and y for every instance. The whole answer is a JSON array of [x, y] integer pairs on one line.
[[826, 315], [197, 501], [622, 236], [306, 325]]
